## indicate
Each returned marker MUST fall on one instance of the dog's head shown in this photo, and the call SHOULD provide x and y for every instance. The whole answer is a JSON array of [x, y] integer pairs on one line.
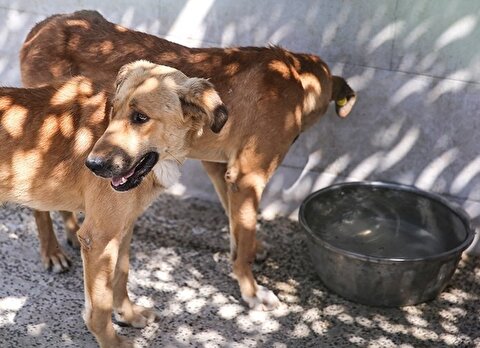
[[343, 96], [156, 113]]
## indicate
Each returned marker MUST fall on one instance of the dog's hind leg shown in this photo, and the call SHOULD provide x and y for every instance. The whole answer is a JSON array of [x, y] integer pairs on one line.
[[125, 311], [71, 227], [244, 199], [51, 253], [217, 173]]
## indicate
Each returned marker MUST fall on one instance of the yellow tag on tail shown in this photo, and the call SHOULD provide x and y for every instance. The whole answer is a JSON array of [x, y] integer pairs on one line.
[[342, 102]]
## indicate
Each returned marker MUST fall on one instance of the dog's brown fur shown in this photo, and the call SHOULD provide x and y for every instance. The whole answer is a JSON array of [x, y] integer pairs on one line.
[[272, 96], [46, 135]]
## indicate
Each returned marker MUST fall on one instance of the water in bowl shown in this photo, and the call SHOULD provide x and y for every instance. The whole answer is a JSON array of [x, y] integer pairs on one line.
[[379, 237], [386, 224]]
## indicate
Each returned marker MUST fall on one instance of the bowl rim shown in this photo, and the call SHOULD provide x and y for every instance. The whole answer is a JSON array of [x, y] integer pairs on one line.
[[455, 208]]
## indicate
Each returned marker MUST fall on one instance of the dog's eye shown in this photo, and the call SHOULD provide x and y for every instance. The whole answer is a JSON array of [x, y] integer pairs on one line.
[[138, 117]]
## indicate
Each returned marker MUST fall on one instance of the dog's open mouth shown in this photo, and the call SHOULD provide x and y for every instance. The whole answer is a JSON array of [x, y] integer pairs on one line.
[[134, 176]]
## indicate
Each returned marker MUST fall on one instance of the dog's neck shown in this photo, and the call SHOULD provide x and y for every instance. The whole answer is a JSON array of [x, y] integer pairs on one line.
[[167, 172]]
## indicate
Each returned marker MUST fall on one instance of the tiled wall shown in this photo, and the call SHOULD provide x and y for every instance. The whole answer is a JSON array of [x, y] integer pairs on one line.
[[414, 63]]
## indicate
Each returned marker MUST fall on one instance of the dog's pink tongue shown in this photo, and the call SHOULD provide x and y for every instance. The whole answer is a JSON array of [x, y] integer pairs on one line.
[[117, 181]]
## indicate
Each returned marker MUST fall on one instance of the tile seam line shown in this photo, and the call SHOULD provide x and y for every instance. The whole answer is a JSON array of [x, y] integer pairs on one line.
[[405, 72], [392, 47], [25, 11]]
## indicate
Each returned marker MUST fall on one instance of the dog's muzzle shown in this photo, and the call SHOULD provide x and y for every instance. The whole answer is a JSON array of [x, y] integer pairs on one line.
[[123, 180]]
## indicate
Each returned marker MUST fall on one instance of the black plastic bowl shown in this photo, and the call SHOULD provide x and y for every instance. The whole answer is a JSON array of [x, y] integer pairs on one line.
[[384, 244]]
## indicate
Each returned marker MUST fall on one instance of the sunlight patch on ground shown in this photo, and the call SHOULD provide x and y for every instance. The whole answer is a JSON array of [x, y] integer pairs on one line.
[[9, 306]]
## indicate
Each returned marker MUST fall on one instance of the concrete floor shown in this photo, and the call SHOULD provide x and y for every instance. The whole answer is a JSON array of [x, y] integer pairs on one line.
[[180, 266]]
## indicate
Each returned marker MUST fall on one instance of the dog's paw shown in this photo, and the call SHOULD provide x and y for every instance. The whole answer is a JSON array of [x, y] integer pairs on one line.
[[264, 299], [136, 316], [56, 261]]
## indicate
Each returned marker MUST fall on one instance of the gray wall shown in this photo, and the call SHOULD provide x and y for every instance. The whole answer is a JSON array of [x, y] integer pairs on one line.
[[414, 63]]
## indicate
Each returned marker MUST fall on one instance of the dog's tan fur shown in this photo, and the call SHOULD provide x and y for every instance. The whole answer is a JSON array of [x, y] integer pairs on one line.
[[272, 96], [46, 135]]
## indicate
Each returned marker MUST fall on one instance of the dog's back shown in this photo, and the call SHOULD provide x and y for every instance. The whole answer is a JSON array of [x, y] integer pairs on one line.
[[86, 43], [46, 133]]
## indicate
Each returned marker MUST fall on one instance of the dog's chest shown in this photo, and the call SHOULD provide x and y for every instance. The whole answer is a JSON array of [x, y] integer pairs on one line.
[[167, 172]]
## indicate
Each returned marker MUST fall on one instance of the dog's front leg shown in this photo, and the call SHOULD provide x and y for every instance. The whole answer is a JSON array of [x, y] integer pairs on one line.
[[244, 198], [100, 248], [125, 311]]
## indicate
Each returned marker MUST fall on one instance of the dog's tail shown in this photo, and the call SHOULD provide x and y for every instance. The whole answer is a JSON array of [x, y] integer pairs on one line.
[[343, 95]]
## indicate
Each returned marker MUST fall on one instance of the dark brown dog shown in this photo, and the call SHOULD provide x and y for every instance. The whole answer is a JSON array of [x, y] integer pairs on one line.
[[272, 96]]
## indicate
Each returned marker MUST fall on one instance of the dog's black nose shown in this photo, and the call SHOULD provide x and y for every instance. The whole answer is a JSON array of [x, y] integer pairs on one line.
[[97, 165]]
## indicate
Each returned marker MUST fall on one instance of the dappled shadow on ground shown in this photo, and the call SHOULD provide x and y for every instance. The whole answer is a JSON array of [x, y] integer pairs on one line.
[[180, 265]]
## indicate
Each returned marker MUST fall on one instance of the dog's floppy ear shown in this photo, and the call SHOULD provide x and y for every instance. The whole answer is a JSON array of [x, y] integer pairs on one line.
[[201, 101], [121, 76], [343, 95]]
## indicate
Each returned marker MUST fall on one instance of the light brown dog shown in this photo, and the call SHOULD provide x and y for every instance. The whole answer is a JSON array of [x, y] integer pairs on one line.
[[47, 133], [272, 95]]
